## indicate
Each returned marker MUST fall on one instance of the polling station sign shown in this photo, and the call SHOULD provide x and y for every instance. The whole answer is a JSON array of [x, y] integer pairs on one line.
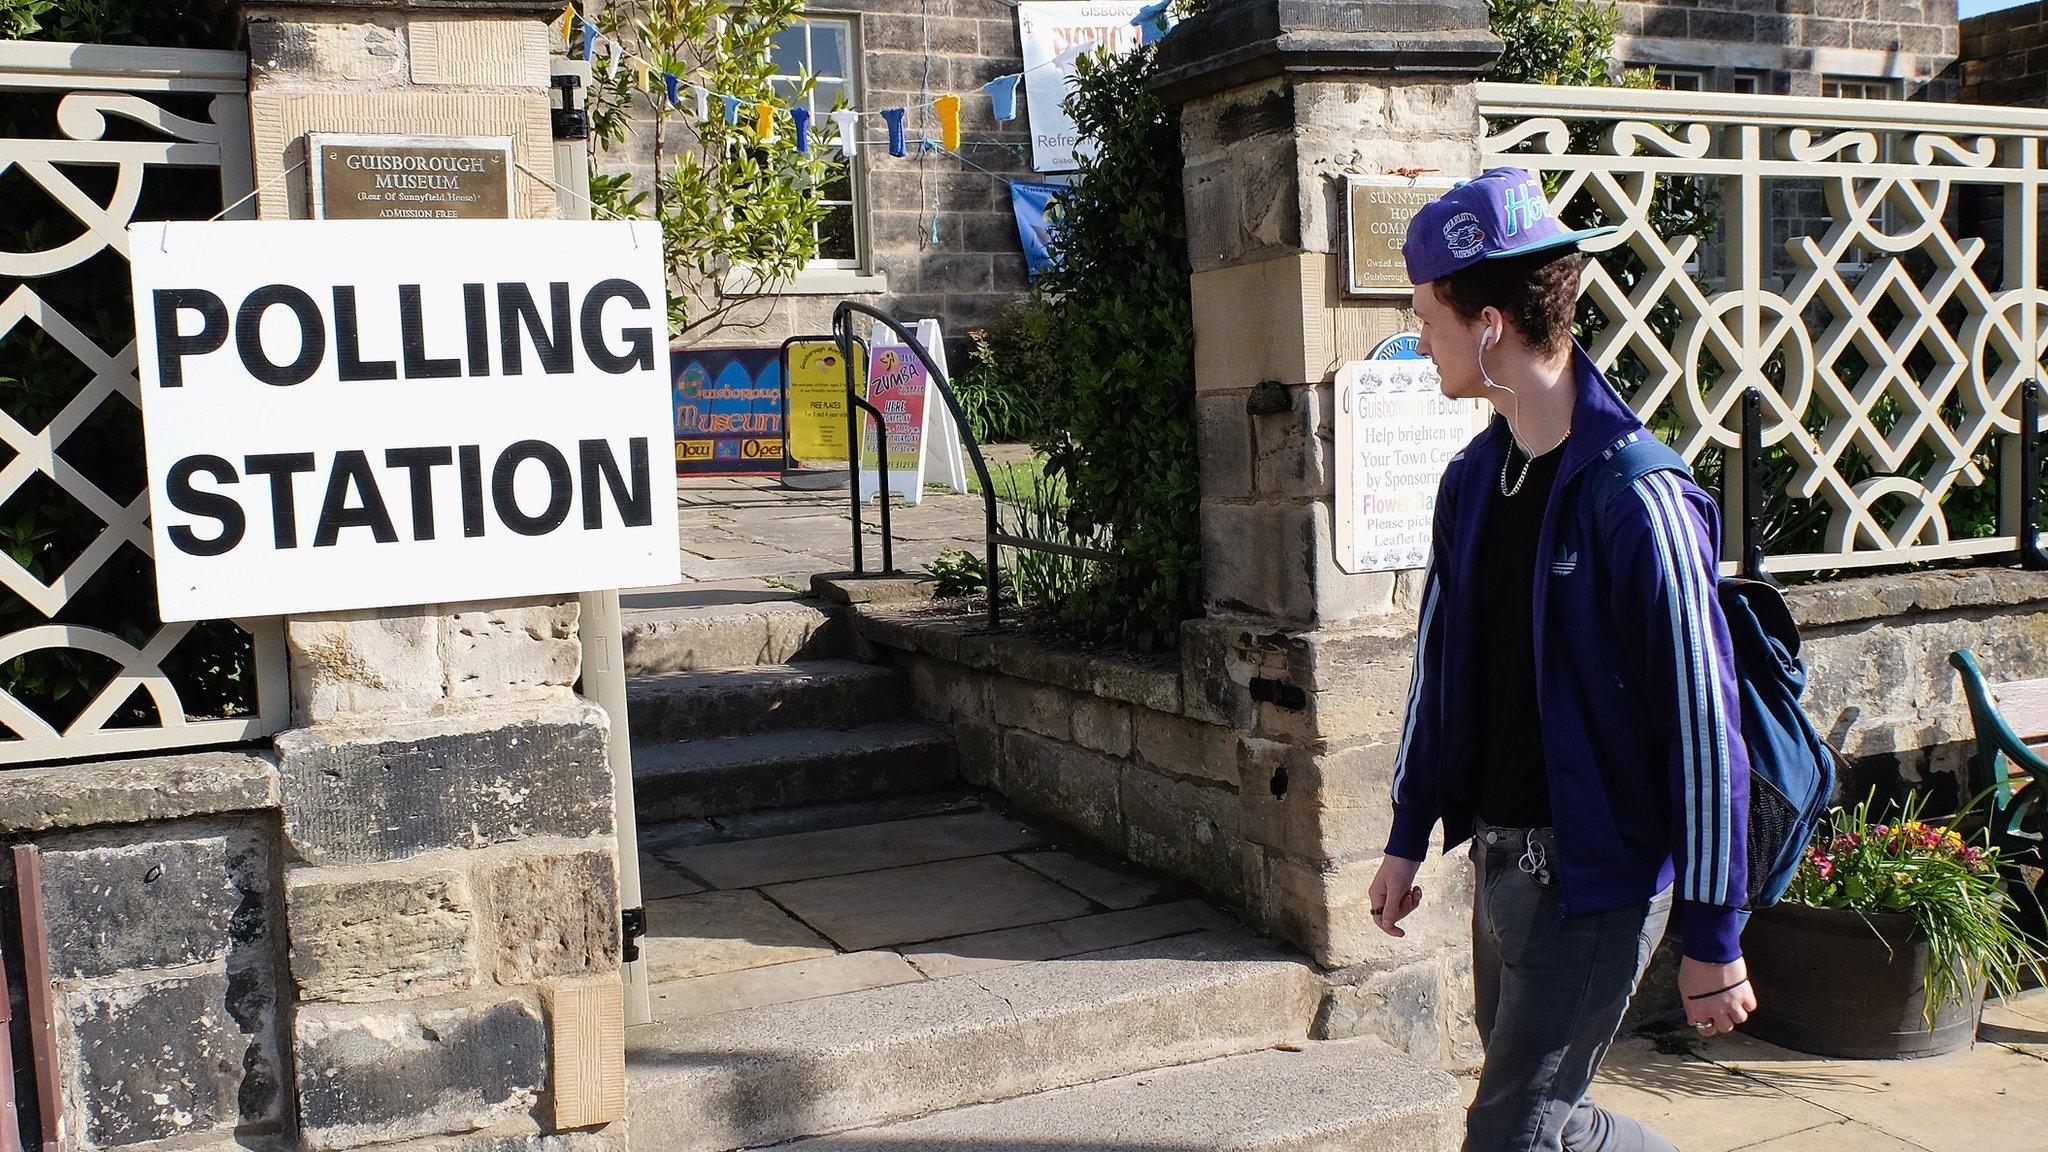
[[365, 414]]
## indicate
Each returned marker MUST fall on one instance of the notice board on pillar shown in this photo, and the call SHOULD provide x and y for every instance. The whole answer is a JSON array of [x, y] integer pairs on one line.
[[374, 413], [923, 438], [1396, 432]]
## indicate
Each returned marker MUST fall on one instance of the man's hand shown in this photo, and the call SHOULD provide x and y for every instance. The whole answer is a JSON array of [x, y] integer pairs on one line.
[[1394, 894], [1724, 996]]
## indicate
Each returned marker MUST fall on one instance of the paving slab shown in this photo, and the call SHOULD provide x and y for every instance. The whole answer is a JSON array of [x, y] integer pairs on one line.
[[1111, 887], [986, 950], [722, 932], [1697, 1105], [1999, 1091], [1333, 1096], [927, 902], [823, 817], [778, 984], [658, 881], [867, 847], [1840, 1136]]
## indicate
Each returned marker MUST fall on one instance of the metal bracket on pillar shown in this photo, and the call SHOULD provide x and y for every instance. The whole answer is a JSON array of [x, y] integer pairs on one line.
[[569, 120]]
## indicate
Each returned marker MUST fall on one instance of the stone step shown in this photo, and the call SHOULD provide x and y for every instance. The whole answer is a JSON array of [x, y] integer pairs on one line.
[[673, 633], [697, 778], [782, 1072], [708, 705], [1330, 1096]]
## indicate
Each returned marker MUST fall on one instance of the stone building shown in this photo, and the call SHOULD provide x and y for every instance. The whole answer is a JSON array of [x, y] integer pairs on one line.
[[2001, 58], [1882, 49]]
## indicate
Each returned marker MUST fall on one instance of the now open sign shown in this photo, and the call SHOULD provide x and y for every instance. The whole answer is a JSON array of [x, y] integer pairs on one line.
[[365, 414]]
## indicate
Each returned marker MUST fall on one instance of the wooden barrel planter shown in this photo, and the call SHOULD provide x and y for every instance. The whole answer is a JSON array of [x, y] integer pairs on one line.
[[1835, 983]]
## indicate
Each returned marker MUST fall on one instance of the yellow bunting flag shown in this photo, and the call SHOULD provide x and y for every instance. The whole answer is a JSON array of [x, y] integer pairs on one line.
[[568, 21], [640, 74], [764, 121], [949, 121]]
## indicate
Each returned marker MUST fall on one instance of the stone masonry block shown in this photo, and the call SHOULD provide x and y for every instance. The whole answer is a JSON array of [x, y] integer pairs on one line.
[[520, 1138], [371, 49], [355, 795], [511, 650], [1254, 557], [480, 53], [154, 1061], [1187, 747], [1324, 908], [364, 934], [135, 791], [1072, 785], [1359, 678], [1103, 725], [1318, 805], [981, 753], [112, 907], [1424, 1009], [404, 1071], [1184, 828], [1296, 449], [1223, 441], [1035, 708], [362, 662], [552, 915]]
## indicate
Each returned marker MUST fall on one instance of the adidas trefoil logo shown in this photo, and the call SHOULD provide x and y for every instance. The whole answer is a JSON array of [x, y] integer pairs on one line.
[[1567, 562]]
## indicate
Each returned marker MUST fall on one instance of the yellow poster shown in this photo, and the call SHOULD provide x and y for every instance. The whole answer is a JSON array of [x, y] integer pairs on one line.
[[817, 401]]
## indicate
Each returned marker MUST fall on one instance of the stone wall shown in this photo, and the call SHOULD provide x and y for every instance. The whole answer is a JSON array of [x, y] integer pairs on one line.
[[909, 53], [2003, 57], [1789, 45]]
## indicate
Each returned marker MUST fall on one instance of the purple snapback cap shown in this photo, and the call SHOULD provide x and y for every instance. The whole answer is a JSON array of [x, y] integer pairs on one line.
[[1500, 213]]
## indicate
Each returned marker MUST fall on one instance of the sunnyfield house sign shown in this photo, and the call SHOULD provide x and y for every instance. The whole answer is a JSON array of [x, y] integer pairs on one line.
[[1376, 214], [369, 414], [411, 177]]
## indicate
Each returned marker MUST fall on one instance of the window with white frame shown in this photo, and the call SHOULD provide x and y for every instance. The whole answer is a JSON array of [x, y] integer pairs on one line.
[[1750, 82], [1858, 88], [823, 49], [1678, 79]]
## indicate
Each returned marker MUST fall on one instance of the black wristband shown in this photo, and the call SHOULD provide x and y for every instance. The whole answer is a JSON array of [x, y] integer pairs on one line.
[[1718, 991]]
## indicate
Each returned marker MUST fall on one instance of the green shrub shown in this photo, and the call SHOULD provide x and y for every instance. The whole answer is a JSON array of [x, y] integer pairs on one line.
[[1013, 376], [1125, 444], [1035, 508]]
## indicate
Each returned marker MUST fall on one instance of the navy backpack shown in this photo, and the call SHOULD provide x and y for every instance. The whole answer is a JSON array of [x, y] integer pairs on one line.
[[1791, 769]]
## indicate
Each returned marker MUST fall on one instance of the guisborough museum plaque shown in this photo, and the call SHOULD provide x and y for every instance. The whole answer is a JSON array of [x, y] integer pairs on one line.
[[411, 177]]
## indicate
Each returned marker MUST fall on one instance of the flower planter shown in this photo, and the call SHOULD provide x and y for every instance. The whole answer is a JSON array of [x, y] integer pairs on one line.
[[1835, 983]]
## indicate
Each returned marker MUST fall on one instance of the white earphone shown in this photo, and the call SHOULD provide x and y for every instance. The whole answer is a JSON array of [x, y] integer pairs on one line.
[[1485, 340]]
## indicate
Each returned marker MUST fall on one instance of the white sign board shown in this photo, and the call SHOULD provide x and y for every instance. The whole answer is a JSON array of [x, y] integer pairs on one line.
[[1395, 433], [931, 443], [365, 414], [1054, 34]]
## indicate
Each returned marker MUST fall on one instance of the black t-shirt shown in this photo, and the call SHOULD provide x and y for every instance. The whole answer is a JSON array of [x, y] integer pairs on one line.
[[1514, 791]]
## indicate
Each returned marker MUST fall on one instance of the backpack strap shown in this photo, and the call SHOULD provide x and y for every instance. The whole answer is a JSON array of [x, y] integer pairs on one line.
[[1622, 466]]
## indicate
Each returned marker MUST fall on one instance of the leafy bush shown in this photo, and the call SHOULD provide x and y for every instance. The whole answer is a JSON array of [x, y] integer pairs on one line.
[[1126, 441], [1014, 373], [1030, 579]]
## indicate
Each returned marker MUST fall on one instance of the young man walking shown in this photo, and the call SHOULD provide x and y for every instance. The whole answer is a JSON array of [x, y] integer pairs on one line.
[[1574, 708]]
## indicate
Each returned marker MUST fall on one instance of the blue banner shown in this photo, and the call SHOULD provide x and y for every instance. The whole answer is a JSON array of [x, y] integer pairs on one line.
[[1031, 201]]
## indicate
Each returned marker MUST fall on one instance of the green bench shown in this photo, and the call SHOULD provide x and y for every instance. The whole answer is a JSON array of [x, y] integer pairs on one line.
[[2010, 718]]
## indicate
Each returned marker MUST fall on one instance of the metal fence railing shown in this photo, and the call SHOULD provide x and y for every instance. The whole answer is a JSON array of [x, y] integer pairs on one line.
[[1865, 275]]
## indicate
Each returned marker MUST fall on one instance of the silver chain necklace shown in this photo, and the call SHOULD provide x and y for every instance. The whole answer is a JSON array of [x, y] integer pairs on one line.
[[1528, 462]]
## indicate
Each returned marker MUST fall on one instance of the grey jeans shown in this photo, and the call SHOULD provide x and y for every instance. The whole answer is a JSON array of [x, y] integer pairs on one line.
[[1551, 991]]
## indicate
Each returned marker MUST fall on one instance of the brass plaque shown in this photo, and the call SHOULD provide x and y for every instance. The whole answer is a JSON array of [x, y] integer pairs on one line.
[[411, 177], [1376, 214]]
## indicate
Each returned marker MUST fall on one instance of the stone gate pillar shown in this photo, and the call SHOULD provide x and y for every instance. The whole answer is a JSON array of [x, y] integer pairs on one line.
[[450, 869], [1278, 100]]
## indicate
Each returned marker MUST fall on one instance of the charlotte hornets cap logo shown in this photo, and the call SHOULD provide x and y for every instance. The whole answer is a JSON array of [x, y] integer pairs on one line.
[[1494, 216], [1464, 235]]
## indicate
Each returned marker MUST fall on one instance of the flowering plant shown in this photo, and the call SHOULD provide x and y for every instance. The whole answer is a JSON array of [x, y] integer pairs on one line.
[[1950, 887]]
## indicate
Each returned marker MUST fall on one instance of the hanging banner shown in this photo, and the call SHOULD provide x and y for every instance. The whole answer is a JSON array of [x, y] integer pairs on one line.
[[380, 413], [728, 411], [817, 403], [1054, 34], [1031, 203], [1395, 434]]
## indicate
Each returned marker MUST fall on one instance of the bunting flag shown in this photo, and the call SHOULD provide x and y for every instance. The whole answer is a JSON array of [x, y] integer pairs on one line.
[[732, 109], [802, 117], [568, 23], [948, 108], [589, 40], [675, 96], [640, 74], [1152, 22], [1002, 96], [703, 97], [764, 121], [847, 121], [894, 118]]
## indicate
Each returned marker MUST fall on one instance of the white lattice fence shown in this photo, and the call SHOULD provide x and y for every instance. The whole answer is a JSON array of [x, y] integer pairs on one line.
[[111, 122], [1890, 344]]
